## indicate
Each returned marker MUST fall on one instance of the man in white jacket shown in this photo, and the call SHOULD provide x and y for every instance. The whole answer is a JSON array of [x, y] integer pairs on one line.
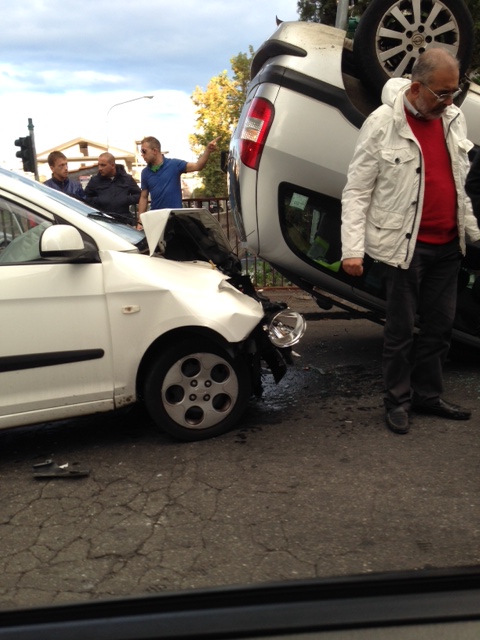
[[405, 205]]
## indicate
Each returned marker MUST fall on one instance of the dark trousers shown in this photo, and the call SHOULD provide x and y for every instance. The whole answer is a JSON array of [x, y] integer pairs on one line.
[[413, 368]]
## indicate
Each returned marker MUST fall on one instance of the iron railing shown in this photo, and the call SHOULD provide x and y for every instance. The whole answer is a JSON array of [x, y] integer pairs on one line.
[[260, 271]]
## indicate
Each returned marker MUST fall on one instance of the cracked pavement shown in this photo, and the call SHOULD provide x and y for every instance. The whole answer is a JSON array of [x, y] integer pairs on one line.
[[310, 484]]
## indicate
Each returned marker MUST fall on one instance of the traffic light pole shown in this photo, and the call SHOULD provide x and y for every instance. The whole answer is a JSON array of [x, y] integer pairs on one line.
[[34, 152], [27, 151]]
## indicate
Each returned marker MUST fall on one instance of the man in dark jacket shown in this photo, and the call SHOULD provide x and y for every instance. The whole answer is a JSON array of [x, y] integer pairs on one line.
[[113, 190], [58, 163]]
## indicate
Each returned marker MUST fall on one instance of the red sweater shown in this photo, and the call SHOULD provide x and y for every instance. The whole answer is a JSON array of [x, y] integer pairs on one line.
[[439, 215]]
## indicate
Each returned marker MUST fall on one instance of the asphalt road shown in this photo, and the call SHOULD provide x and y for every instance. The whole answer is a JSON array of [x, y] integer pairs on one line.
[[310, 484]]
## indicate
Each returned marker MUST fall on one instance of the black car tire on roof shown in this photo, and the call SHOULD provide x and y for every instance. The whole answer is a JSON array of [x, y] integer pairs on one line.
[[196, 390], [392, 33]]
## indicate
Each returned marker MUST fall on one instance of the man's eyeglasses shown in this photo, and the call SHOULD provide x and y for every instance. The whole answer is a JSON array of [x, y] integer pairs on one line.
[[441, 97]]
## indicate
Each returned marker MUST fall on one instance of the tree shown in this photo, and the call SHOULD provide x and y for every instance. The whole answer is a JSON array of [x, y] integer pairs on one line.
[[218, 111], [324, 11]]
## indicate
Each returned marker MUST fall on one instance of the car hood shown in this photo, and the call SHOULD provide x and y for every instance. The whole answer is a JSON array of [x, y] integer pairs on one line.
[[154, 223], [159, 226]]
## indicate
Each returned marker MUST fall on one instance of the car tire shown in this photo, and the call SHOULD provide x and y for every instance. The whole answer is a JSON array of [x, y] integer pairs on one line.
[[380, 56], [195, 390]]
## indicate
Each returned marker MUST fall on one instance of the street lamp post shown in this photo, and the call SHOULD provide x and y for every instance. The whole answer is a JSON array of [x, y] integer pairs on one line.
[[117, 105]]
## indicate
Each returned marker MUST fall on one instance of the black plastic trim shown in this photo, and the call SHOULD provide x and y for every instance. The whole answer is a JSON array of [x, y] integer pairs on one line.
[[312, 88], [271, 49], [36, 360], [360, 602]]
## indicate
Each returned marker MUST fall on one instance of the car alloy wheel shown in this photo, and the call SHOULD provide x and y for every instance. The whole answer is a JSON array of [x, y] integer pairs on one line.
[[391, 35], [196, 390]]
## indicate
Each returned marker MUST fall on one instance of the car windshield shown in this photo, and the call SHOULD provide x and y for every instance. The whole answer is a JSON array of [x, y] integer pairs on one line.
[[125, 231]]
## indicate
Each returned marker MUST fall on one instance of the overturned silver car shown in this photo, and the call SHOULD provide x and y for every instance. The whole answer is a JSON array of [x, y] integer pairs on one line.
[[311, 89]]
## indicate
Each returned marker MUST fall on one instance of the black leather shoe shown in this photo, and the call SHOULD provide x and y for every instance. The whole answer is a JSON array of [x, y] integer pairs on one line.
[[443, 409], [397, 420]]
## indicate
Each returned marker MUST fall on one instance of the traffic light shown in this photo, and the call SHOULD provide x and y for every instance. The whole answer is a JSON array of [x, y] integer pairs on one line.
[[26, 153]]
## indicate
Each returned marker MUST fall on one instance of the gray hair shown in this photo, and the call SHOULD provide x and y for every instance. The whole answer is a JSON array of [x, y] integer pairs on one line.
[[429, 61]]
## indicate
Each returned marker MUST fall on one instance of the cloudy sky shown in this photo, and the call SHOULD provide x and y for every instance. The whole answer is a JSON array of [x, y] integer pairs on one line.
[[64, 64]]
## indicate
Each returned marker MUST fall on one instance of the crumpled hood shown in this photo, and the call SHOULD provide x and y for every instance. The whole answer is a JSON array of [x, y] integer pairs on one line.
[[154, 223], [201, 229]]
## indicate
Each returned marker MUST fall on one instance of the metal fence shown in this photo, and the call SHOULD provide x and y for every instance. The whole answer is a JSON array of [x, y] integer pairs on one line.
[[260, 271]]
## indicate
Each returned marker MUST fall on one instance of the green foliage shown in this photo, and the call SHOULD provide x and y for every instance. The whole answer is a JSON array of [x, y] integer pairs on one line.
[[359, 7], [324, 11], [218, 110], [474, 8], [263, 274]]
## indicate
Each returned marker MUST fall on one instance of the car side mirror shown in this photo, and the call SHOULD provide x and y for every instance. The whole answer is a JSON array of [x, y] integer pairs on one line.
[[61, 241]]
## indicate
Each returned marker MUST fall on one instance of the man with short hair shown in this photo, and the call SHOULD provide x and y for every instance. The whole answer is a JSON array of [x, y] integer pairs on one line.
[[161, 176], [405, 205], [58, 163], [113, 190]]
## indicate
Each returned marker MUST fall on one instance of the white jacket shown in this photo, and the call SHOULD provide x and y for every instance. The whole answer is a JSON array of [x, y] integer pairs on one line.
[[382, 201]]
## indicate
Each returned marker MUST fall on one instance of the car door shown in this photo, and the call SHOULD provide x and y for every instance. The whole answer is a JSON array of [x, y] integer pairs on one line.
[[55, 347]]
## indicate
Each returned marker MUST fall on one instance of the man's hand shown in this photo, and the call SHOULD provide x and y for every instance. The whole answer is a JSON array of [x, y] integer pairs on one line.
[[203, 159], [353, 266], [212, 146]]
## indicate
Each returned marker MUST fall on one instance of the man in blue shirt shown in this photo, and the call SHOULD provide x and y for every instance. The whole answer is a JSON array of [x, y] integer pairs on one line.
[[58, 163], [161, 176]]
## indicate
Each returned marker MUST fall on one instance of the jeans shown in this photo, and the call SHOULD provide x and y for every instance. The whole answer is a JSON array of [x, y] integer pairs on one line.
[[413, 366]]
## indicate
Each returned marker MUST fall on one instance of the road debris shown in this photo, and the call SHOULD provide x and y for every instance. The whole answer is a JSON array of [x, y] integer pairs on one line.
[[50, 469]]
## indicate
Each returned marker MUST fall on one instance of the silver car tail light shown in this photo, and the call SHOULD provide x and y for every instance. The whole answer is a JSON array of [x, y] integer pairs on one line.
[[254, 131]]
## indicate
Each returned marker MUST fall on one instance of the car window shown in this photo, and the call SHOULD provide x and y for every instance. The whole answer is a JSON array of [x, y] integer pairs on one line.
[[311, 225], [20, 232]]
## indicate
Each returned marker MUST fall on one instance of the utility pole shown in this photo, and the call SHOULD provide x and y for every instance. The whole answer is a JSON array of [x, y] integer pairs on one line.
[[342, 14]]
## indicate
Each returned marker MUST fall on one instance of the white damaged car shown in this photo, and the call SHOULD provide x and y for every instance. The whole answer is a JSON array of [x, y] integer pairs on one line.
[[95, 316]]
